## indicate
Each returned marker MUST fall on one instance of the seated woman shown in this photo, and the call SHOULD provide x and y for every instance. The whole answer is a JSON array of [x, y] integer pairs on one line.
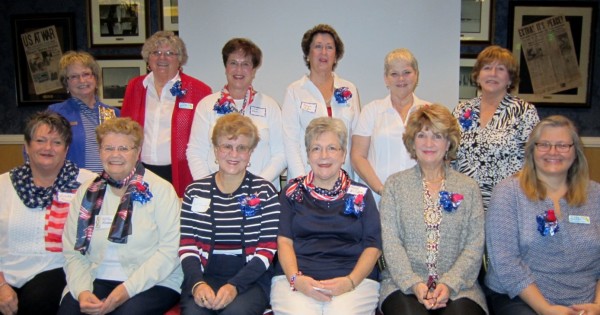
[[432, 222], [35, 202], [543, 229], [121, 236], [229, 229], [329, 234]]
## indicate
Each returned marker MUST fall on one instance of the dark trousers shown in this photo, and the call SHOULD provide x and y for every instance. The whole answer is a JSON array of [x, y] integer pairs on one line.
[[156, 300], [502, 304], [41, 295], [400, 303], [164, 171]]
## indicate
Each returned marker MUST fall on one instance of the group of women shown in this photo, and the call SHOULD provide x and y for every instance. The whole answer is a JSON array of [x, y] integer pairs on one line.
[[402, 177]]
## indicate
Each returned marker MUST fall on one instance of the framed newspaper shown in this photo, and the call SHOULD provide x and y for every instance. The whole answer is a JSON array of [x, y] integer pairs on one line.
[[117, 22], [116, 73], [39, 40], [476, 20], [553, 44], [169, 15]]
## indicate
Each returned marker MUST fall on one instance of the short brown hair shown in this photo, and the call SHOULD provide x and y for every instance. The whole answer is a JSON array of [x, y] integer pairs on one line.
[[246, 46], [496, 53], [437, 118], [234, 125], [54, 121], [322, 29], [121, 125]]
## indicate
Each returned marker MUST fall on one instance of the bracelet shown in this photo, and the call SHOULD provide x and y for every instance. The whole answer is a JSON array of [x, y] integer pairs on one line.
[[293, 280], [351, 282], [199, 283]]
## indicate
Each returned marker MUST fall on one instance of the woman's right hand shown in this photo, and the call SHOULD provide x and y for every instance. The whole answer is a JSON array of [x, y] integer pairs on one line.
[[89, 303], [307, 285], [204, 296], [421, 291], [8, 300]]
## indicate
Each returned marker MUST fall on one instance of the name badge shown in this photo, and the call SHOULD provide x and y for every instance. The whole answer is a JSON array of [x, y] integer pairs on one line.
[[579, 219], [103, 222], [308, 107], [73, 123], [258, 111], [186, 105], [356, 190], [200, 205], [65, 197]]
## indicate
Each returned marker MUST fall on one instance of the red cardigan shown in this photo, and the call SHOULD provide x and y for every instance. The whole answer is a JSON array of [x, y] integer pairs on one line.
[[134, 106]]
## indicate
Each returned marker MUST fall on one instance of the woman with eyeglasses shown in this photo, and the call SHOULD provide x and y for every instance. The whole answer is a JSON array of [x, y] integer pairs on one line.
[[122, 233], [33, 210], [329, 234], [241, 58], [80, 75], [229, 228], [543, 229], [163, 102]]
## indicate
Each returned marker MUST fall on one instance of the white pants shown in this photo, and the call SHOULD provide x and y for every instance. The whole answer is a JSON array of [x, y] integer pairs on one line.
[[360, 301]]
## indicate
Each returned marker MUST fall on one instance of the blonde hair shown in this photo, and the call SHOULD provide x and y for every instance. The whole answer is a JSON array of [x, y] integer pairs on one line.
[[400, 54], [234, 125], [437, 118], [121, 125], [85, 59], [578, 175]]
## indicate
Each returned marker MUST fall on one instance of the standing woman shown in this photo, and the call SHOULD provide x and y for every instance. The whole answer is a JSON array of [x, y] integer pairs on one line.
[[80, 75], [241, 58], [34, 207], [321, 93], [377, 147], [163, 102], [494, 126]]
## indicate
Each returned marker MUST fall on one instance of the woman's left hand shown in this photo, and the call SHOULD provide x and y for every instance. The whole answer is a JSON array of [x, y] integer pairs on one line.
[[440, 296], [117, 297], [587, 309], [337, 286], [226, 295]]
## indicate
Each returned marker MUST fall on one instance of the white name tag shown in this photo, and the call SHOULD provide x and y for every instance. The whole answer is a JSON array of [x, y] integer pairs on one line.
[[186, 105], [308, 107], [65, 197], [200, 205], [579, 219], [258, 111], [103, 222], [357, 190]]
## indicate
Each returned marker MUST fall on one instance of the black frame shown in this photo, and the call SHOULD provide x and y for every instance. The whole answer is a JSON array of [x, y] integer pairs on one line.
[[95, 21]]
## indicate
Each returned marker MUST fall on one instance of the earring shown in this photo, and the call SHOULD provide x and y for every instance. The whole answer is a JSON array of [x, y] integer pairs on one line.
[[249, 164], [446, 155], [216, 162]]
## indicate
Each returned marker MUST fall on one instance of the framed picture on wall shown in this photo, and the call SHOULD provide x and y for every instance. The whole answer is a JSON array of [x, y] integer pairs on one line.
[[169, 15], [39, 40], [575, 32], [467, 88], [117, 22], [116, 73], [475, 20]]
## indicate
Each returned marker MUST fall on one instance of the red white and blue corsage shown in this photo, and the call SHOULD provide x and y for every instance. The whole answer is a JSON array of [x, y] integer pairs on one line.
[[177, 91], [547, 223], [342, 95], [224, 106], [450, 201], [250, 205], [141, 193], [466, 119], [355, 205]]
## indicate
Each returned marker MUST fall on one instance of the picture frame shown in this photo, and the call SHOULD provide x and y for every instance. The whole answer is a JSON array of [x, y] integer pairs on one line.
[[581, 18], [476, 21], [117, 22], [169, 15], [467, 88], [39, 40], [116, 74]]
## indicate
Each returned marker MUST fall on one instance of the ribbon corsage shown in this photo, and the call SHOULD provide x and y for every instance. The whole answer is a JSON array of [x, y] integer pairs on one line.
[[450, 201], [177, 91], [466, 119], [224, 106], [250, 205], [547, 223], [141, 193], [342, 95], [355, 205]]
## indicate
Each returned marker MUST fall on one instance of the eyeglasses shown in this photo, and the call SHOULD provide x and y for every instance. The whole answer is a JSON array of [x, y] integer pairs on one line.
[[242, 63], [167, 53], [329, 149], [228, 148], [121, 149], [560, 147], [81, 76]]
